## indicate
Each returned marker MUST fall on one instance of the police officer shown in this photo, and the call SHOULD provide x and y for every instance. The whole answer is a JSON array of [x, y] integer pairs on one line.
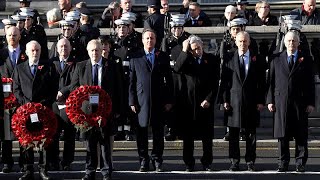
[[78, 39], [33, 31], [173, 46], [26, 4], [86, 24], [226, 51], [155, 20], [124, 48]]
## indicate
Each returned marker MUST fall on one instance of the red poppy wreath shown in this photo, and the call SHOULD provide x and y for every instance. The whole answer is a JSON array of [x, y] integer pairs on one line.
[[31, 133], [85, 121], [10, 100]]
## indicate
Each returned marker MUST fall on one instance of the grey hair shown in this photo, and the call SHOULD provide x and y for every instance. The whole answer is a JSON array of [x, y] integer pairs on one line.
[[291, 34], [32, 42], [195, 39]]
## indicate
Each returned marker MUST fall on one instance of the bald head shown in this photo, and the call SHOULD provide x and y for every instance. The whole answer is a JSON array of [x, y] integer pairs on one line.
[[309, 6], [13, 36], [64, 48]]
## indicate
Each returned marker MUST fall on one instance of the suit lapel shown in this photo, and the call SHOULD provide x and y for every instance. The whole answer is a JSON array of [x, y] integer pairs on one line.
[[104, 77], [237, 65], [88, 72], [296, 64], [8, 61], [56, 62], [284, 61], [28, 70]]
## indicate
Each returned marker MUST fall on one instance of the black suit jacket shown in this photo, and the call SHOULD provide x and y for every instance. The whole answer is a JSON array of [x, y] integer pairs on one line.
[[6, 68], [295, 87], [42, 88], [243, 95], [111, 83]]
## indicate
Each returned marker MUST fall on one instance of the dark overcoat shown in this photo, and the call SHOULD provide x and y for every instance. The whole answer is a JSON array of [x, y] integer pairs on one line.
[[296, 86]]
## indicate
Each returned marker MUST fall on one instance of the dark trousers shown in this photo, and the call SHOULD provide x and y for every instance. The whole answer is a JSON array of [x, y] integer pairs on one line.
[[92, 153], [6, 152], [298, 128], [188, 145], [234, 148], [69, 146], [27, 157], [158, 143]]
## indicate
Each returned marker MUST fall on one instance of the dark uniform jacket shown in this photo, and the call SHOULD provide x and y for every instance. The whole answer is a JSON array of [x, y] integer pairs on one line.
[[150, 87], [295, 86], [155, 22], [243, 94], [38, 34], [78, 43]]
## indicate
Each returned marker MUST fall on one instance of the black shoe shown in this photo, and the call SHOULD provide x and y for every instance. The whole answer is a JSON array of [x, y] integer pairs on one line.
[[234, 167], [44, 175], [190, 168], [6, 168], [251, 167], [107, 178], [27, 176], [88, 177], [144, 166], [207, 168], [22, 169], [226, 137], [66, 168], [300, 168], [54, 167], [129, 137], [119, 136], [170, 136], [157, 166], [242, 136], [282, 168]]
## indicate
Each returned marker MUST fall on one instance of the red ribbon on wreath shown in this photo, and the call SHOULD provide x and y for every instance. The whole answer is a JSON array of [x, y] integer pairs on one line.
[[85, 121], [10, 101], [21, 122]]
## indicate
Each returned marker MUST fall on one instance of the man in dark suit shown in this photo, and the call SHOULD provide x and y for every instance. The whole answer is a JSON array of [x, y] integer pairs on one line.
[[196, 18], [155, 20], [98, 71], [10, 56], [64, 66], [199, 83], [150, 94], [34, 81], [291, 97], [243, 86]]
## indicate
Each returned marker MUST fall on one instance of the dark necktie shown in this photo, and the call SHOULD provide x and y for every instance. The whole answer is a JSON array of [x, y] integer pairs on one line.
[[13, 58], [149, 58], [291, 62], [242, 67], [95, 74], [194, 22], [62, 65], [33, 70]]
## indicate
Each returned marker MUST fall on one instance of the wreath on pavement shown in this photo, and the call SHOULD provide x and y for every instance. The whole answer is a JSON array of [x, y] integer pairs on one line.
[[10, 100], [79, 116], [32, 133]]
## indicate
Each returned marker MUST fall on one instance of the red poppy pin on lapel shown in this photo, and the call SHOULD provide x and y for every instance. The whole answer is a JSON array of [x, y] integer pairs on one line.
[[40, 67], [300, 59], [254, 58], [157, 53]]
